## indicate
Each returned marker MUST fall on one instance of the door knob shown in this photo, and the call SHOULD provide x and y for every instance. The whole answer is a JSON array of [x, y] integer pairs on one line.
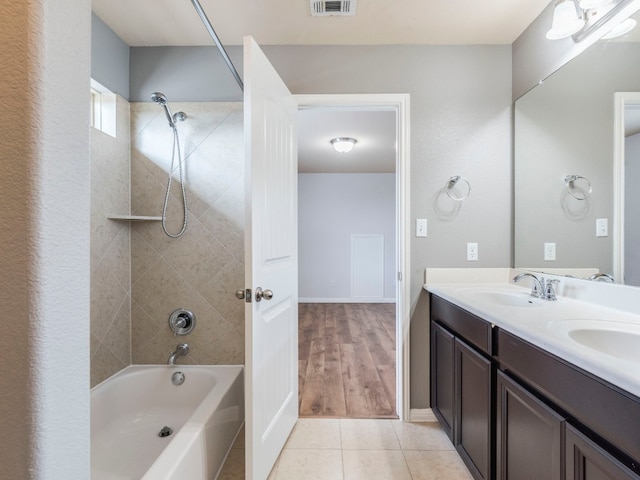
[[266, 294], [240, 294]]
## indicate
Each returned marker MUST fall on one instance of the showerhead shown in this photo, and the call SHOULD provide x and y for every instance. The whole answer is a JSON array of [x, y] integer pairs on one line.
[[159, 98]]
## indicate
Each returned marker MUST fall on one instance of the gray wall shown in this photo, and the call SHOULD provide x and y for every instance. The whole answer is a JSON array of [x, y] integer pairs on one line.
[[109, 58], [460, 125], [332, 207], [632, 200], [184, 74]]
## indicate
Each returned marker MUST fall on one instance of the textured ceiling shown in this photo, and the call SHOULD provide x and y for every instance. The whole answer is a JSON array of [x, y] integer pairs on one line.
[[289, 22]]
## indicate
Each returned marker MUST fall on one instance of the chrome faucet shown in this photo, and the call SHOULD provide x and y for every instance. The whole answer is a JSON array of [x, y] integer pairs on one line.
[[540, 288], [537, 289], [601, 277], [181, 351]]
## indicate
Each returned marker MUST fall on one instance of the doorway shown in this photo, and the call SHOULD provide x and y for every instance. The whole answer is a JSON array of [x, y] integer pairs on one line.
[[385, 315]]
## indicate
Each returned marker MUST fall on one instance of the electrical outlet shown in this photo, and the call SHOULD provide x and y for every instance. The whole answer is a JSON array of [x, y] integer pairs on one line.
[[472, 252], [421, 227], [550, 252]]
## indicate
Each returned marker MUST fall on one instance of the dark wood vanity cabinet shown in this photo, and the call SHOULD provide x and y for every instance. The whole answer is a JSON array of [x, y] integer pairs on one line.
[[529, 435], [462, 385], [516, 412], [442, 383], [586, 460], [473, 400]]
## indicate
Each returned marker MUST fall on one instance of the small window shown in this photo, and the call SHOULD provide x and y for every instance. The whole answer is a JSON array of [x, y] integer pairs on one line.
[[103, 109]]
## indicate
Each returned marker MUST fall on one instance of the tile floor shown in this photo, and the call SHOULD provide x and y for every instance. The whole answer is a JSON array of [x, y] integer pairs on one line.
[[351, 449]]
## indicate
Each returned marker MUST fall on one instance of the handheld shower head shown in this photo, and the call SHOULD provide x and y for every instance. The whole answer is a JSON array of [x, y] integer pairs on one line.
[[159, 98]]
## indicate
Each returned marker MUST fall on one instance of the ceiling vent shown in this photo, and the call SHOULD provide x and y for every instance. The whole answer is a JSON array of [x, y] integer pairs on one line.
[[325, 8]]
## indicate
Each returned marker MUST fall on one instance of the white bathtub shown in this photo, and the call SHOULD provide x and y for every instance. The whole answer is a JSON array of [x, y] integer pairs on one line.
[[129, 409]]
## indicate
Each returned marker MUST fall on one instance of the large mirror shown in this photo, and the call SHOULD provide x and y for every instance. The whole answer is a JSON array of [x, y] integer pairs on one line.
[[568, 212]]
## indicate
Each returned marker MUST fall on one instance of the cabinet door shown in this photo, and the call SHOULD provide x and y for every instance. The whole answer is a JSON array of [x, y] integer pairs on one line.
[[442, 373], [473, 392], [588, 461], [528, 435]]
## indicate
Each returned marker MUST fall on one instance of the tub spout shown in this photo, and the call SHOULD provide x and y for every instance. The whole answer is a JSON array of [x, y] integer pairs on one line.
[[181, 350]]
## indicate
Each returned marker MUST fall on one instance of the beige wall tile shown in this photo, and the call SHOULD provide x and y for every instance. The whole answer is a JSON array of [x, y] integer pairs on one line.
[[201, 270], [110, 249], [129, 175]]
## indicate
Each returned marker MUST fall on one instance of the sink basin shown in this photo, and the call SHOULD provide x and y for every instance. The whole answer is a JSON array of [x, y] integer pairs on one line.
[[617, 339], [505, 298]]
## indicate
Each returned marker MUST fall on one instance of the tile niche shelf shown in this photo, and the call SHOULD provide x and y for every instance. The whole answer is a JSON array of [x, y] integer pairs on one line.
[[134, 218]]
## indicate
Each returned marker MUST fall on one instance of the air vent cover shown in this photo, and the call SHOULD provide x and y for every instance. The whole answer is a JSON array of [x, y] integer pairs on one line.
[[324, 8]]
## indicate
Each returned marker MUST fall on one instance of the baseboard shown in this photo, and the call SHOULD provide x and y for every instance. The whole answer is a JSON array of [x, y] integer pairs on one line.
[[422, 415], [346, 300]]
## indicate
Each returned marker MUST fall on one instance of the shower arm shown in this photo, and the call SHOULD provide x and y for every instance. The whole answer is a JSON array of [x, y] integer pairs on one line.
[[214, 36]]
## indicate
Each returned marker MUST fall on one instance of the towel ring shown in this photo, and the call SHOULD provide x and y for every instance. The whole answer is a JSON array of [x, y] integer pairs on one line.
[[453, 181], [570, 180]]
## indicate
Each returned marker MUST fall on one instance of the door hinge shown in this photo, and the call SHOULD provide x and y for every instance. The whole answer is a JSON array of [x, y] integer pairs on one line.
[[399, 276]]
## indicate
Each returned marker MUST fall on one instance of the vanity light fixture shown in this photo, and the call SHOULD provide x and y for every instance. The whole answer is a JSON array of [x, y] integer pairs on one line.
[[623, 27], [580, 20], [588, 4], [343, 144], [566, 20]]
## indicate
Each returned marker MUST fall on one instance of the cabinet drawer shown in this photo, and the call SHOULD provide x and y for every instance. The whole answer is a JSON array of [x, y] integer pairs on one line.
[[474, 330]]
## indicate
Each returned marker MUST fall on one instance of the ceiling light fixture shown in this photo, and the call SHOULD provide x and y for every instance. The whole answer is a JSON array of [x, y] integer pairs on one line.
[[580, 20], [343, 144]]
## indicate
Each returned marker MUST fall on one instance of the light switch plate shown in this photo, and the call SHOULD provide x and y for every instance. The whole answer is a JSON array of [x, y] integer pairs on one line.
[[602, 227], [421, 227]]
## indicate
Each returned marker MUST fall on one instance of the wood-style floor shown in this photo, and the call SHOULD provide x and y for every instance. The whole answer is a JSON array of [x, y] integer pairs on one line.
[[347, 360]]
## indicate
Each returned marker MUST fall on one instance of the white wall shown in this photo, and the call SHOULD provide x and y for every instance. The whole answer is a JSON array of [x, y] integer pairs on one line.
[[44, 242], [631, 201], [331, 208]]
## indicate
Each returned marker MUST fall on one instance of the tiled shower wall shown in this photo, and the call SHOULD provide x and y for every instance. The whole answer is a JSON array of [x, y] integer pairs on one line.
[[201, 270], [138, 274], [110, 249]]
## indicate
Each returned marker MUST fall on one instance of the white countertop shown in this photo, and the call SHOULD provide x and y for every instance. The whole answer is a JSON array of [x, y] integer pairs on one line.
[[544, 325]]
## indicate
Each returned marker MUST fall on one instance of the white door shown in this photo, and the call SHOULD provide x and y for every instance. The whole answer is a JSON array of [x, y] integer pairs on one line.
[[271, 249]]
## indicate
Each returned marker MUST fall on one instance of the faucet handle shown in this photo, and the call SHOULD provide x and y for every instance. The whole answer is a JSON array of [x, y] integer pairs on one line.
[[549, 291], [538, 288]]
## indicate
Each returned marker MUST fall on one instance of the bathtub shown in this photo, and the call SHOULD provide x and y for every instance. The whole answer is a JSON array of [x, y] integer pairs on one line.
[[129, 410]]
